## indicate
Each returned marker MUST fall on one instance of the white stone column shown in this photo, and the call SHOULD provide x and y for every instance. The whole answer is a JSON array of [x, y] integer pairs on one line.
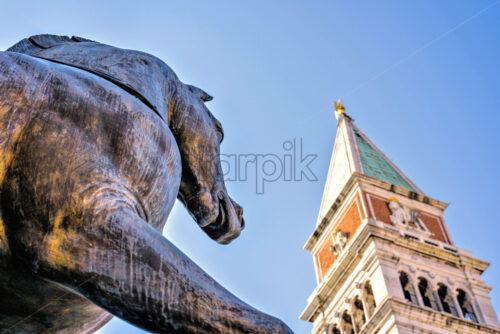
[[453, 298], [414, 284], [434, 296]]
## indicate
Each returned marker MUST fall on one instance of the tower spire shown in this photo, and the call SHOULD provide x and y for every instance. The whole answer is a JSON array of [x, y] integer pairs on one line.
[[355, 154]]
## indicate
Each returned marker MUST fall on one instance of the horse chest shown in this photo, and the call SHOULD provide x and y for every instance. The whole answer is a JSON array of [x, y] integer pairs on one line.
[[153, 169]]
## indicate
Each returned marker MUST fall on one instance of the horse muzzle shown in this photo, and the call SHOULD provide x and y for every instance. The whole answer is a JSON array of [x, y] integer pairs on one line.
[[228, 223]]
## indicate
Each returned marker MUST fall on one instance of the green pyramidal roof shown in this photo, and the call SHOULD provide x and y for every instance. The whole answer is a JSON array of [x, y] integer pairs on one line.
[[376, 166]]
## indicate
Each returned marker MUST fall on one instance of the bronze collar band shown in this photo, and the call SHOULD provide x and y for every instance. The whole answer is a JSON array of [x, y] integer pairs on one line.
[[120, 83]]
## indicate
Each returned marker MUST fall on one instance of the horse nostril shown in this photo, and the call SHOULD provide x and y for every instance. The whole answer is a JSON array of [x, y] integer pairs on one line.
[[239, 210]]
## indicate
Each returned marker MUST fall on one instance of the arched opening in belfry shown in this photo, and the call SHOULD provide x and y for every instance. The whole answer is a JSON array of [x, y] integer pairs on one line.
[[334, 330], [425, 293], [368, 298], [466, 305], [346, 325], [408, 289], [446, 300], [358, 313]]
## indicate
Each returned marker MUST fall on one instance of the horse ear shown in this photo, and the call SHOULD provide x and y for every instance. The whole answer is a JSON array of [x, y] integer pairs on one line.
[[204, 96]]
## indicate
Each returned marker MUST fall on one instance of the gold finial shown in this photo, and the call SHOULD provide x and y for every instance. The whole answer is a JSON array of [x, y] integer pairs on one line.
[[339, 108]]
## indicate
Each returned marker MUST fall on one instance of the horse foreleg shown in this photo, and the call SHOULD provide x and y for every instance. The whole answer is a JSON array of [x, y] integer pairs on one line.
[[126, 267]]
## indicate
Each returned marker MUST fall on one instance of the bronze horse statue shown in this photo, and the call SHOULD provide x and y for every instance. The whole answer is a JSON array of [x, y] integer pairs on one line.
[[96, 144]]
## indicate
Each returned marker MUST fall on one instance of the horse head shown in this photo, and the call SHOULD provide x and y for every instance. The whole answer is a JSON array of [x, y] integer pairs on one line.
[[197, 132], [202, 190]]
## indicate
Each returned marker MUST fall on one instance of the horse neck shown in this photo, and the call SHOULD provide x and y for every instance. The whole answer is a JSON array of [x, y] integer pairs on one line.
[[176, 98]]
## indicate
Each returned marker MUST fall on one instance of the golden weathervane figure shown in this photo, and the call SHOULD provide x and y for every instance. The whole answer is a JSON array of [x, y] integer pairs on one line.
[[339, 108]]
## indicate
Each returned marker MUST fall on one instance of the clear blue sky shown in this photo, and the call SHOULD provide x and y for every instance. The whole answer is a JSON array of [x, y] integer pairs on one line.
[[274, 68]]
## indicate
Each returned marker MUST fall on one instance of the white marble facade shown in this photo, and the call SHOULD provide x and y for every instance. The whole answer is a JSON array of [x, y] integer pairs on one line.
[[366, 292]]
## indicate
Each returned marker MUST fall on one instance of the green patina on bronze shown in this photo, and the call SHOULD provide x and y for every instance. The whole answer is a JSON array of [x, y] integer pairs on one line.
[[376, 166]]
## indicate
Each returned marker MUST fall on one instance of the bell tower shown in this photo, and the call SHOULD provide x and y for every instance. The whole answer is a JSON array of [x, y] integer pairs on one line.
[[384, 259]]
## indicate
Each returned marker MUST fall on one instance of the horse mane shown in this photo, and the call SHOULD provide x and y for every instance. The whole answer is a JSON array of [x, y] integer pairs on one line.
[[138, 71], [36, 43]]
